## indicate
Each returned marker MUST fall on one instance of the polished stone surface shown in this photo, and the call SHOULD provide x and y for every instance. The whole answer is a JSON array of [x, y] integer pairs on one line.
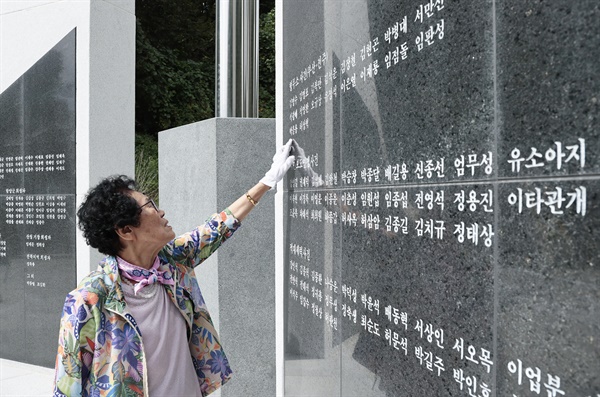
[[457, 188], [548, 291], [37, 205], [548, 86]]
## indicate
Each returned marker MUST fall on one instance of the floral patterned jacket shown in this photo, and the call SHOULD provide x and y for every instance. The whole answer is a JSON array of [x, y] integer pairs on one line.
[[100, 348]]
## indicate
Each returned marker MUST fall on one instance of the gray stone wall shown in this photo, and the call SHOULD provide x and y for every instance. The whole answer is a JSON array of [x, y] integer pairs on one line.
[[204, 167]]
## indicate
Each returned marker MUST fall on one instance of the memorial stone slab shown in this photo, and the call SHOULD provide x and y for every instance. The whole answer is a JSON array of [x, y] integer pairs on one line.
[[442, 218], [37, 205]]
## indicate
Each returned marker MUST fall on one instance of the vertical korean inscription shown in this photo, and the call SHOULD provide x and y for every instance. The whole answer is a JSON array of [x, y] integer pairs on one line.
[[539, 261], [37, 204], [310, 327], [548, 325], [417, 90], [380, 326], [548, 248], [417, 108]]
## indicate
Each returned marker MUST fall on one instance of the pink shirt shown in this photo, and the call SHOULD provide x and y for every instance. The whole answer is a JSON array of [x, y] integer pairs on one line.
[[169, 366]]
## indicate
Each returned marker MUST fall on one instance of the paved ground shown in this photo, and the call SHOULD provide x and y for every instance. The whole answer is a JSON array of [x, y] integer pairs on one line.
[[24, 380]]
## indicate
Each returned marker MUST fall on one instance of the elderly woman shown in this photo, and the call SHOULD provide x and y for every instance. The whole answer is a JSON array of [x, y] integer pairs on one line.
[[138, 325]]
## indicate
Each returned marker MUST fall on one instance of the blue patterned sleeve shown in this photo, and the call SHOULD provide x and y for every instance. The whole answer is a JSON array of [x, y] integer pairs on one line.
[[192, 248]]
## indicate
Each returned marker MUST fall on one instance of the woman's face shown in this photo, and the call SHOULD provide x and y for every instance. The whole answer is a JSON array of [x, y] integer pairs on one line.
[[154, 231]]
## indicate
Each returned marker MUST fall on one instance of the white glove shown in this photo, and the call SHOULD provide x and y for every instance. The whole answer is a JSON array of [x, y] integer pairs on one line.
[[282, 161], [316, 180]]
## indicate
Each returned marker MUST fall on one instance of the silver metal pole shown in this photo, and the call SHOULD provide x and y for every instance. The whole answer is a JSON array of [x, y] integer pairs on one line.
[[237, 59]]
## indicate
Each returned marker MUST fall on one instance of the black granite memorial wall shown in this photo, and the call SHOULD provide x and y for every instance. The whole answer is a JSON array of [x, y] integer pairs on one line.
[[442, 225], [37, 205]]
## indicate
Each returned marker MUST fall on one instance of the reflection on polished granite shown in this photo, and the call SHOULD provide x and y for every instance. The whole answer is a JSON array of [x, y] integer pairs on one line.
[[37, 205], [442, 229]]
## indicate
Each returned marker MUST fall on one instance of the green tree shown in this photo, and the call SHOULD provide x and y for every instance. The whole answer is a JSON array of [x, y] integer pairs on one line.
[[266, 68], [175, 71], [146, 164], [174, 64]]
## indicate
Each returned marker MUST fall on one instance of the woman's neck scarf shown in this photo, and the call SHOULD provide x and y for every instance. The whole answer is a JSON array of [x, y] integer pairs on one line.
[[142, 277]]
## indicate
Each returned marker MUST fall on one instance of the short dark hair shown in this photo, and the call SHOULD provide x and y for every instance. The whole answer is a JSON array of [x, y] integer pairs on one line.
[[107, 206]]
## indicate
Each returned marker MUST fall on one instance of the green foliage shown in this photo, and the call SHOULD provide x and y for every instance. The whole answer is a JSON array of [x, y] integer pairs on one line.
[[175, 62], [170, 90], [187, 26], [175, 72], [146, 165], [174, 75], [266, 69]]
